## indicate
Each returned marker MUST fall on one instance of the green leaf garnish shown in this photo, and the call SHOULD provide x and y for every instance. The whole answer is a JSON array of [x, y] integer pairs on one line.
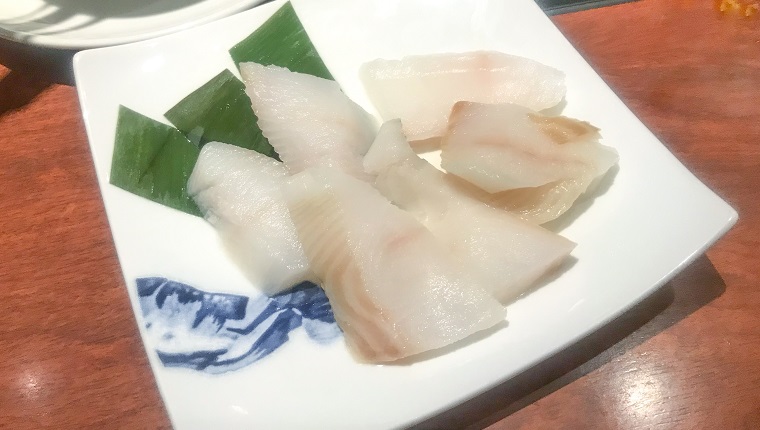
[[153, 160], [220, 111], [282, 41]]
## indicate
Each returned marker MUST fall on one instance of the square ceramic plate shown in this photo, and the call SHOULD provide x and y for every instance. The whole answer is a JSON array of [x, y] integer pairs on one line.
[[218, 358]]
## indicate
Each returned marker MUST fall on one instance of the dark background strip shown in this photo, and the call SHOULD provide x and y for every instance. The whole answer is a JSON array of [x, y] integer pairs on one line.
[[555, 7]]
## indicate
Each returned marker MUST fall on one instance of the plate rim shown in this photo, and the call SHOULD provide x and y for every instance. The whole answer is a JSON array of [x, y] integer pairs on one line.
[[86, 43]]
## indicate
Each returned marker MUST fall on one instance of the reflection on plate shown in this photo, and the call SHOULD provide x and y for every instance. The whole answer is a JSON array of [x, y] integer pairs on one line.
[[89, 23], [652, 220]]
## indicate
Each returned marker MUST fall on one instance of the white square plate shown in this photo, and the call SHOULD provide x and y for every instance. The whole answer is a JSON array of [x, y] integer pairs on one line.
[[654, 218]]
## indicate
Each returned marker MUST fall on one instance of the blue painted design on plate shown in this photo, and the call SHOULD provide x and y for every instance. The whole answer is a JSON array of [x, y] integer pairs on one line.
[[216, 333]]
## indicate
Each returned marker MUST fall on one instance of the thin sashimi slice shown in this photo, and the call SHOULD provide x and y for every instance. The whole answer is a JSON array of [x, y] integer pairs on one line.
[[420, 90], [507, 254], [394, 290], [537, 205], [308, 120], [531, 164], [239, 193]]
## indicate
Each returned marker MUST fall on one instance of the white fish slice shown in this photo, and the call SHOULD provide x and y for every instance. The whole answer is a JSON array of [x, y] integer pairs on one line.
[[528, 163], [308, 120], [537, 205], [393, 288], [239, 193], [508, 255], [420, 90]]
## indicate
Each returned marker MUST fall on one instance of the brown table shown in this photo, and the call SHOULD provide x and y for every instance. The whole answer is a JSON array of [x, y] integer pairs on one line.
[[688, 357]]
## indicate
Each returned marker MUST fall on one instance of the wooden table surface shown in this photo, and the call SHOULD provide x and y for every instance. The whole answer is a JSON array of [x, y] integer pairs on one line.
[[688, 357]]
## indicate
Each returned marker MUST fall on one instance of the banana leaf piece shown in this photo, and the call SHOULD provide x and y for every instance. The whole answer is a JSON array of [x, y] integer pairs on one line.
[[220, 111], [281, 41], [153, 160]]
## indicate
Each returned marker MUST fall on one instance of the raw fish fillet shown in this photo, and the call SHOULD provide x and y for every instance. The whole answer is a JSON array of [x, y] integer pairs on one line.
[[533, 165], [394, 289], [308, 120], [537, 205], [420, 90], [506, 253], [239, 193]]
